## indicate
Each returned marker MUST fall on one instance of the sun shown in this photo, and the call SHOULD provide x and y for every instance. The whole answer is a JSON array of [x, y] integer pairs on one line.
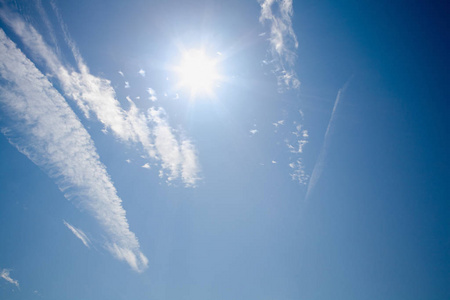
[[198, 72]]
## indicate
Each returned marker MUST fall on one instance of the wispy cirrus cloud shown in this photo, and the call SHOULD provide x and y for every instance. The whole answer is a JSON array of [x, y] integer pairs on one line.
[[42, 126], [5, 275], [79, 234], [48, 27], [283, 46], [282, 38], [178, 157], [95, 95]]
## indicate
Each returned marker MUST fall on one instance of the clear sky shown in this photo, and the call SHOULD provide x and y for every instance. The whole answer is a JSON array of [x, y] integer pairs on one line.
[[206, 149]]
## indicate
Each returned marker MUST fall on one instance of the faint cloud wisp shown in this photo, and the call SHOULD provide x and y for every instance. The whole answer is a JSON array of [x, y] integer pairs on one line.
[[79, 234], [283, 41], [5, 275]]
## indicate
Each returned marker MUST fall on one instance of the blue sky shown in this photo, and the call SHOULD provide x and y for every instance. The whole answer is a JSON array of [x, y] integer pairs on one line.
[[224, 150]]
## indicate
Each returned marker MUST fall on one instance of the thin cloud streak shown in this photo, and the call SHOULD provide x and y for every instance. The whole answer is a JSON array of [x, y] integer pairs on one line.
[[43, 127], [79, 234], [320, 163], [48, 26], [283, 41], [5, 275]]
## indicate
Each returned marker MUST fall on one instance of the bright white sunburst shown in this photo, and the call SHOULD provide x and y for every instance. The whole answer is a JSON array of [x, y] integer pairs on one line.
[[198, 72]]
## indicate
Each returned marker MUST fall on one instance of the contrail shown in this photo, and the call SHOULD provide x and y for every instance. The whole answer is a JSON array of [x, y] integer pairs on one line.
[[318, 168]]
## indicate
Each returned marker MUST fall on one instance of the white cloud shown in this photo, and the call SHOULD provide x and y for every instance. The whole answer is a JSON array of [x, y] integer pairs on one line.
[[283, 40], [48, 26], [302, 139], [34, 40], [127, 85], [67, 38], [177, 157], [301, 144], [95, 95], [253, 131], [166, 144], [146, 166], [283, 46], [43, 127], [79, 234], [141, 72], [5, 275], [297, 131], [152, 94], [274, 162], [298, 172], [305, 134], [121, 73], [136, 261], [278, 123], [295, 144], [189, 164]]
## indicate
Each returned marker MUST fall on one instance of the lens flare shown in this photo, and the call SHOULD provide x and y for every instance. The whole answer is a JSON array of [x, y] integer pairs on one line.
[[198, 72]]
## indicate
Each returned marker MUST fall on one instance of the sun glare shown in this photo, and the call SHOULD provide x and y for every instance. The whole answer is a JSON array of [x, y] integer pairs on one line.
[[198, 72]]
